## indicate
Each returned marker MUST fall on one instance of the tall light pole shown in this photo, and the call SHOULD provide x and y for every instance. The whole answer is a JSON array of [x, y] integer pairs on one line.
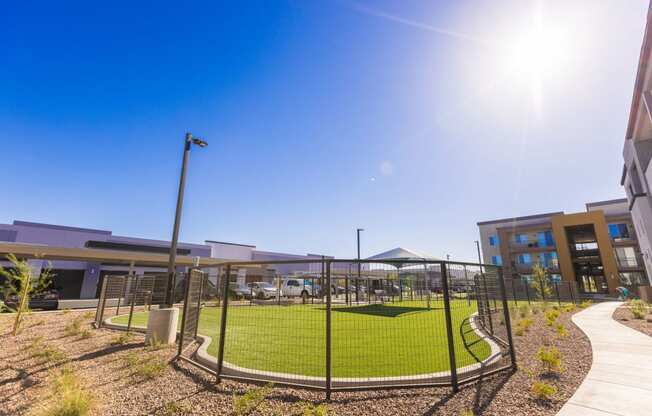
[[188, 142]]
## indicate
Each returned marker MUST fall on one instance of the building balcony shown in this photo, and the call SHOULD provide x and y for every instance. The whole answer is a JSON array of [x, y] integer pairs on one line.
[[529, 246]]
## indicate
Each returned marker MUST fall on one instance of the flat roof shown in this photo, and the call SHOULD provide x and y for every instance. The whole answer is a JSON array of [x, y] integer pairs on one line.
[[229, 244], [60, 227], [523, 218], [608, 202]]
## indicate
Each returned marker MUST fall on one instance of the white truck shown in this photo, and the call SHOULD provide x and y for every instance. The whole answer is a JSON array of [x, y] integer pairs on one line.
[[296, 287]]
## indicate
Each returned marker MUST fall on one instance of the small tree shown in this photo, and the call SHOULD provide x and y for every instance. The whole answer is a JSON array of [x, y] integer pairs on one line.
[[540, 282], [21, 282]]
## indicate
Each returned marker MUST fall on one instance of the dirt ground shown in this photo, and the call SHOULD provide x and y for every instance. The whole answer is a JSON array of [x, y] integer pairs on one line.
[[624, 316]]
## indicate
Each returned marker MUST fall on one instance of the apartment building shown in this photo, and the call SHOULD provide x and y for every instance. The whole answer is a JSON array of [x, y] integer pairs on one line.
[[598, 249], [636, 177]]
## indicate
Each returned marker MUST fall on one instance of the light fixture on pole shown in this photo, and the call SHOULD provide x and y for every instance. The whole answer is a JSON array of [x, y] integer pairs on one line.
[[188, 142]]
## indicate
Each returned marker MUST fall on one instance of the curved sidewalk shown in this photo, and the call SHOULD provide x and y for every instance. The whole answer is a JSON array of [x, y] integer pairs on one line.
[[620, 379]]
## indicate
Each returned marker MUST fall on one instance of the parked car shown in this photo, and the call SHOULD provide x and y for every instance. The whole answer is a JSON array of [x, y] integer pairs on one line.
[[297, 287], [264, 290], [240, 290], [48, 300]]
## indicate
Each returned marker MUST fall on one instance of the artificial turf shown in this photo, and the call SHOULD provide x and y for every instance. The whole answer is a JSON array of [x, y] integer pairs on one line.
[[392, 339]]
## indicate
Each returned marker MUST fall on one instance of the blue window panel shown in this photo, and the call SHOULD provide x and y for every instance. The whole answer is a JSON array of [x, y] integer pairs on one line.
[[545, 239], [493, 240], [614, 230], [550, 241], [521, 238], [525, 258], [618, 231], [497, 260]]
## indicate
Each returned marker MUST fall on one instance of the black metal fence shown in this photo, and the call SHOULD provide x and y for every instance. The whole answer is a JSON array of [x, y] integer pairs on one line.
[[133, 293], [350, 325]]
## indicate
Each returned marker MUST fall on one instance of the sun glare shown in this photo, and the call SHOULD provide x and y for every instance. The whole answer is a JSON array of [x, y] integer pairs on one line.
[[535, 54]]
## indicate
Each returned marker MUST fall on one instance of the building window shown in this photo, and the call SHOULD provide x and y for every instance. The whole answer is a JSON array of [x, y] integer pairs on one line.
[[497, 260], [632, 279], [626, 257], [619, 231], [524, 258], [549, 259], [493, 240], [521, 238], [545, 239]]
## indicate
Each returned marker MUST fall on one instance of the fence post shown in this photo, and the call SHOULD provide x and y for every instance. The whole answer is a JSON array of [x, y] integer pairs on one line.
[[514, 293], [133, 302], [328, 333], [449, 328], [543, 290], [488, 304], [99, 313], [527, 291], [557, 291], [507, 317], [225, 303], [570, 290]]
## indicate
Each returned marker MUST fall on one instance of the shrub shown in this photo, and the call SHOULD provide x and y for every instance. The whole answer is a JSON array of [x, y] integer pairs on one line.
[[35, 343], [88, 315], [121, 339], [248, 402], [85, 333], [67, 397], [309, 409], [561, 331], [155, 344], [73, 328], [524, 311], [65, 311], [19, 281], [586, 303], [174, 408], [48, 353], [540, 282], [543, 391], [569, 308], [551, 316], [550, 359], [522, 326], [466, 412], [638, 309], [131, 359], [151, 369]]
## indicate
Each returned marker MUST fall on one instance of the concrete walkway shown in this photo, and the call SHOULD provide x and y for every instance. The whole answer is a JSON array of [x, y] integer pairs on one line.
[[620, 379]]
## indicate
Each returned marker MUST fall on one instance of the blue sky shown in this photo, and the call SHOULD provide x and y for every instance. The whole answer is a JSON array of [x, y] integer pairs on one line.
[[413, 120]]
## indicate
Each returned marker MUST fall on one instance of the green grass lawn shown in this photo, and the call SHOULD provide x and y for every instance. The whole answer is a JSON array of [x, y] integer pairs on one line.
[[404, 338]]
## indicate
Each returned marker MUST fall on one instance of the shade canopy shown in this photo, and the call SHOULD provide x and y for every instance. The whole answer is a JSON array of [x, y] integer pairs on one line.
[[400, 256]]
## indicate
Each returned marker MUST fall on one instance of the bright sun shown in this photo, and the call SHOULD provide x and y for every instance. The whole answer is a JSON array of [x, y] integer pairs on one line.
[[535, 54]]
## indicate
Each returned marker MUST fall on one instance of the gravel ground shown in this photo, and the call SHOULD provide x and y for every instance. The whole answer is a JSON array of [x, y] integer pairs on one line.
[[624, 316], [119, 390]]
